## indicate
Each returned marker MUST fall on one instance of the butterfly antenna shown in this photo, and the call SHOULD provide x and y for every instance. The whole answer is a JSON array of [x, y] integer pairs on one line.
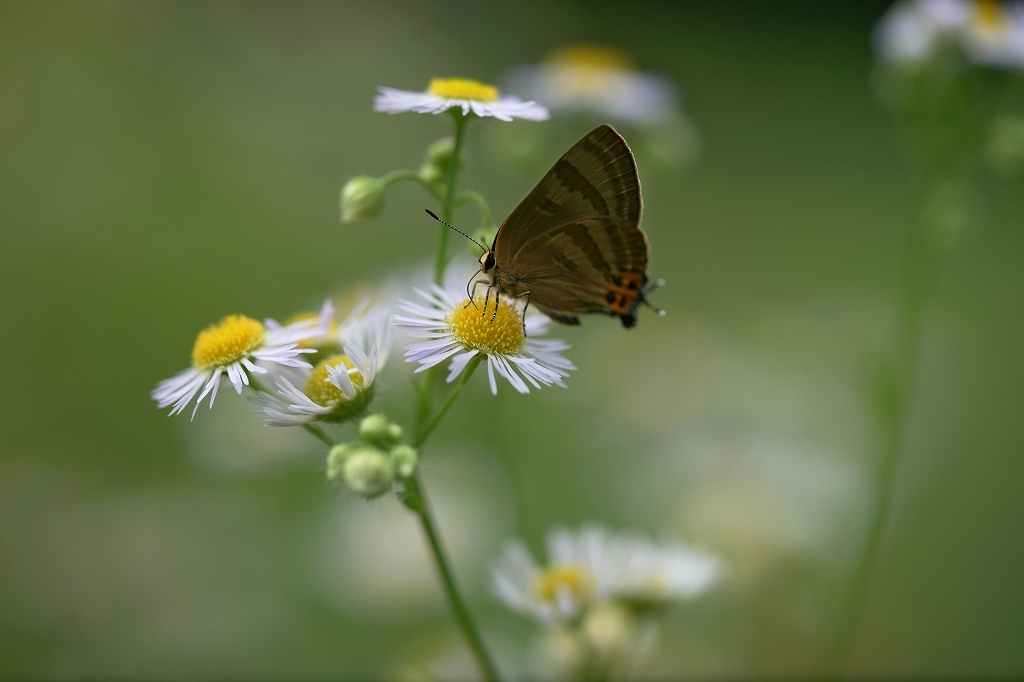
[[434, 216], [658, 283]]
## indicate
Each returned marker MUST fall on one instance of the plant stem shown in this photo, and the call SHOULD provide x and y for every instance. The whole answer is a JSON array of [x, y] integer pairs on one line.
[[921, 268], [448, 206], [481, 204], [319, 434], [418, 502], [395, 176], [425, 432]]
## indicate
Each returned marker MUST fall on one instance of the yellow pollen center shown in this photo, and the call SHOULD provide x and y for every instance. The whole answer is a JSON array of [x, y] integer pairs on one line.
[[462, 88], [473, 327], [593, 56], [572, 578], [226, 342], [323, 392], [990, 15]]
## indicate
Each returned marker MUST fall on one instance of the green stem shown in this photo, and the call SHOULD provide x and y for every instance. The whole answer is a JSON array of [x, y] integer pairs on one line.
[[424, 433], [395, 176], [418, 502], [921, 268], [448, 205], [481, 203], [319, 434]]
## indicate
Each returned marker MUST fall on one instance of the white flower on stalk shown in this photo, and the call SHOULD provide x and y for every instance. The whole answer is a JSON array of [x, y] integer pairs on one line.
[[472, 97], [342, 384], [235, 346], [594, 566], [988, 32], [461, 330], [604, 80]]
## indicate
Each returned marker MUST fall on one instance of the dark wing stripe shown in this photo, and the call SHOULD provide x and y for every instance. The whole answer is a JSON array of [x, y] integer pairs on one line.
[[574, 181], [584, 241]]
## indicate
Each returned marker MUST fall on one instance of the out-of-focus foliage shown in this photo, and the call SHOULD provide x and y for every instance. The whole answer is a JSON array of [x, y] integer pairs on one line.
[[165, 164]]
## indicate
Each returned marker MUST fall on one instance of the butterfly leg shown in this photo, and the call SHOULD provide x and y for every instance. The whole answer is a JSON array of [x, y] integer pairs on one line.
[[472, 283], [487, 299], [497, 299], [527, 295]]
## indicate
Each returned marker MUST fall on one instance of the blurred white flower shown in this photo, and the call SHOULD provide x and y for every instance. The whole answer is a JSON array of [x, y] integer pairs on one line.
[[593, 566], [988, 32], [603, 80], [341, 385], [237, 345], [461, 329], [468, 95]]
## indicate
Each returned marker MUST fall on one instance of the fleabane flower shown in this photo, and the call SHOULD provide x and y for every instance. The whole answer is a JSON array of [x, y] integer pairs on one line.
[[988, 32], [340, 385], [236, 346], [604, 80], [326, 327], [594, 566], [468, 95], [461, 329]]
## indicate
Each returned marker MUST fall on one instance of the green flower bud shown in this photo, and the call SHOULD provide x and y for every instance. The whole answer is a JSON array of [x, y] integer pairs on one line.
[[432, 174], [405, 459], [336, 459], [377, 429], [368, 472], [362, 200], [441, 152]]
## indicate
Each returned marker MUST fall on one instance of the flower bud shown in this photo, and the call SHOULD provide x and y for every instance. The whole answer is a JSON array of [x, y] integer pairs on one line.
[[441, 152], [440, 155], [405, 459], [368, 472], [336, 459], [362, 200], [609, 628], [377, 429]]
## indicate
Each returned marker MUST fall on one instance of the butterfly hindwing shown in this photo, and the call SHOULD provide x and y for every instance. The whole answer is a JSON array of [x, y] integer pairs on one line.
[[596, 264], [597, 177]]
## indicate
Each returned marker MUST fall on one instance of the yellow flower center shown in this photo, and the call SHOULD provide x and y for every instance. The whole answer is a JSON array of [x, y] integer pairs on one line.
[[226, 342], [323, 392], [572, 578], [462, 88], [593, 56], [990, 15], [473, 327]]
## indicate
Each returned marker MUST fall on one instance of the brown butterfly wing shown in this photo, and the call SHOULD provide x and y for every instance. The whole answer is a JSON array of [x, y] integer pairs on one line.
[[597, 177], [583, 266]]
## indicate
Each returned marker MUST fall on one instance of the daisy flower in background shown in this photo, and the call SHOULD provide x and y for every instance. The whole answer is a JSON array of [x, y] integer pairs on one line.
[[342, 384], [595, 566], [235, 346], [327, 327], [468, 95], [988, 32], [461, 330], [604, 80]]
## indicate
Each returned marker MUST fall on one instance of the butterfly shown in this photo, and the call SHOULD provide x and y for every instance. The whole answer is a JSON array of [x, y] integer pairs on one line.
[[574, 245]]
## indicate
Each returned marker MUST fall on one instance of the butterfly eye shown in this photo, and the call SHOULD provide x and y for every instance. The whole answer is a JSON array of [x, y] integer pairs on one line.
[[489, 262]]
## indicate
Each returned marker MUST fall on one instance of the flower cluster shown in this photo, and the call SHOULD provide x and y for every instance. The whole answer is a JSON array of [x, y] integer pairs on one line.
[[596, 591], [987, 32]]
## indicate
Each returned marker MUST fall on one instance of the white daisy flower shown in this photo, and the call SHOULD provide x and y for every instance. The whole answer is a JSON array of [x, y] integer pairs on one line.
[[988, 32], [235, 346], [461, 330], [594, 566], [994, 35], [603, 80], [342, 384], [326, 337], [468, 95]]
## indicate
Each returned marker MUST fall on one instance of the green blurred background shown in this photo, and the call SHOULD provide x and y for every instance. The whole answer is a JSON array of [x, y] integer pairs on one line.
[[165, 164]]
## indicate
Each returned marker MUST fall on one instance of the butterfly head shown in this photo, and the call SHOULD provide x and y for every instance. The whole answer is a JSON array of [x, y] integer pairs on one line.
[[488, 263]]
